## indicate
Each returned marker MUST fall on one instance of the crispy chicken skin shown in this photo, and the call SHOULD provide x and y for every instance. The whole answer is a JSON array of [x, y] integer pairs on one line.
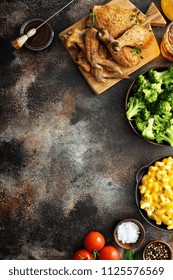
[[101, 66], [113, 18], [102, 74], [92, 52], [82, 62], [76, 38], [125, 57], [137, 36], [92, 55]]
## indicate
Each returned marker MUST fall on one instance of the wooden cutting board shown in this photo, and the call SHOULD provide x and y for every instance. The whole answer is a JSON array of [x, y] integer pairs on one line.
[[153, 17]]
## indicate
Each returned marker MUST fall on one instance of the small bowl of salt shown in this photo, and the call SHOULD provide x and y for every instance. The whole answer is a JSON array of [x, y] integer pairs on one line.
[[129, 233]]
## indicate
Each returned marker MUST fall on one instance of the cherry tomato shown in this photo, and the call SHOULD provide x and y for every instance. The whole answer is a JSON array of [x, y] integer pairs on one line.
[[109, 252], [94, 240], [83, 254]]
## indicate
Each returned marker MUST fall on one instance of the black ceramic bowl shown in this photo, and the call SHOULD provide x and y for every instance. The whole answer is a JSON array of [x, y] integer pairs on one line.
[[43, 37], [141, 172], [130, 93]]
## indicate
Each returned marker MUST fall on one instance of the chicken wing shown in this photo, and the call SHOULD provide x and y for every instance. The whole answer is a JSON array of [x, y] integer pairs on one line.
[[76, 38], [92, 52], [101, 67], [82, 62]]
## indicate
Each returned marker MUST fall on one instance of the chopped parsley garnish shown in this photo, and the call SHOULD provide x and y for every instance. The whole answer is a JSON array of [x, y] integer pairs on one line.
[[134, 18], [138, 52], [93, 19]]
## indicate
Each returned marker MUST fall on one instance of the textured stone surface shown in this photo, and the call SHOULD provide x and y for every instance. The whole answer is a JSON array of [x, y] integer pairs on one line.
[[68, 158]]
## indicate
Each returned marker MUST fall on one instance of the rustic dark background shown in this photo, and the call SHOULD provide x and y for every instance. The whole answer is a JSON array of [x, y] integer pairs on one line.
[[68, 158]]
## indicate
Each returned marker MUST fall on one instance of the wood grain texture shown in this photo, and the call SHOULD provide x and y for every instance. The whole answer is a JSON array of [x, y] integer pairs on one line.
[[156, 17], [148, 54]]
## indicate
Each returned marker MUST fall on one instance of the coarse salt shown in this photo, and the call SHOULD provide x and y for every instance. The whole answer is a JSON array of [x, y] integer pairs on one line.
[[128, 232]]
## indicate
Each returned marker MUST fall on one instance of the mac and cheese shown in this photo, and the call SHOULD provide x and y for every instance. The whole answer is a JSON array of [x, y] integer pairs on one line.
[[157, 192]]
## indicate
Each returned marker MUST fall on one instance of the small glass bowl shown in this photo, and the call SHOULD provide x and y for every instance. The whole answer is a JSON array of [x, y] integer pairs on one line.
[[43, 37]]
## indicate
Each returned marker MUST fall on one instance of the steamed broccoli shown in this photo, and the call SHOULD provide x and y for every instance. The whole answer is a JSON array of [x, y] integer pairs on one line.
[[134, 107], [169, 98], [165, 136], [151, 105], [145, 114], [160, 123], [141, 81], [164, 108], [148, 132], [169, 87], [157, 87], [140, 123], [141, 84], [150, 95], [163, 77]]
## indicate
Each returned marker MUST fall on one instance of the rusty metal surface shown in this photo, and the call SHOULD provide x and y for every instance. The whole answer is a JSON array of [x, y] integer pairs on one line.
[[68, 158]]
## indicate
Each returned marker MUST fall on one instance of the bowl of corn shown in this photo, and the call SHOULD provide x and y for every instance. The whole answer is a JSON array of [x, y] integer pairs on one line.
[[154, 193]]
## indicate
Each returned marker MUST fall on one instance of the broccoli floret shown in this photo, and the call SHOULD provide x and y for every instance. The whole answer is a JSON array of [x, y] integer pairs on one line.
[[157, 87], [163, 77], [141, 120], [169, 98], [145, 90], [148, 132], [150, 95], [134, 106], [140, 123], [141, 81], [160, 123], [165, 136], [145, 114], [169, 87], [140, 84], [164, 108]]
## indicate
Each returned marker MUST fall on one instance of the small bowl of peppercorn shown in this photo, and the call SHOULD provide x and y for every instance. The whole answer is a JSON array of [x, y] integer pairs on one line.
[[157, 250]]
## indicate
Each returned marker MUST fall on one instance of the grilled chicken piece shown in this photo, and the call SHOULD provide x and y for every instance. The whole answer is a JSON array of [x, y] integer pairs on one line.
[[125, 57], [113, 18], [82, 62], [92, 52], [102, 74], [137, 36], [75, 38]]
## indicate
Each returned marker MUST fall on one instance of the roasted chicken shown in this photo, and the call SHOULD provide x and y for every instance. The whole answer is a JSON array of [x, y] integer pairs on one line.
[[92, 55], [82, 62], [123, 48], [112, 37], [113, 18], [137, 36], [75, 38], [101, 66], [125, 57], [92, 52]]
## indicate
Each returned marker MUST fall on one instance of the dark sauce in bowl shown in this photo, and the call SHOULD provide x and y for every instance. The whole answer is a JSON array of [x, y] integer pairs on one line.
[[43, 37]]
